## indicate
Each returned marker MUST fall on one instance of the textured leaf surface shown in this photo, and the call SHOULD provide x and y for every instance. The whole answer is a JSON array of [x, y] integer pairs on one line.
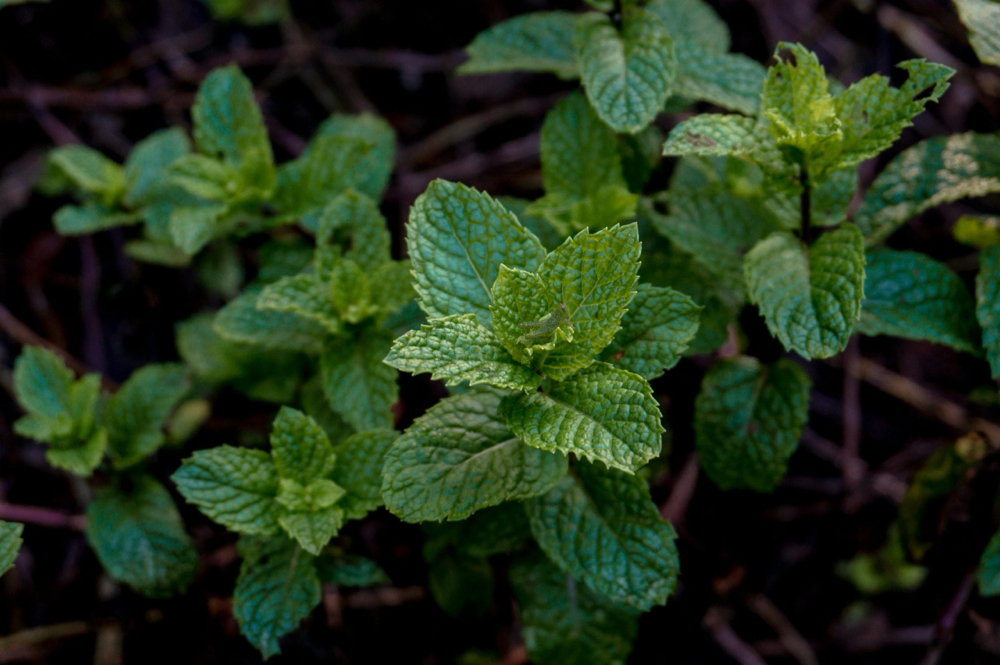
[[457, 238], [982, 18], [330, 165], [241, 321], [730, 80], [988, 304], [305, 296], [535, 42], [276, 589], [599, 526], [358, 385], [810, 300], [312, 529], [139, 537], [748, 420], [711, 134], [371, 175], [602, 413], [693, 21], [935, 171], [910, 295], [526, 318], [655, 332], [456, 349], [299, 447], [235, 487], [10, 544], [353, 220], [563, 622], [360, 460], [628, 76], [592, 275], [459, 458], [136, 413]]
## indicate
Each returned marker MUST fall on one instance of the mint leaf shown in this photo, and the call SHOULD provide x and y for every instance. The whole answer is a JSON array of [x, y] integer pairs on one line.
[[193, 227], [72, 220], [692, 22], [146, 179], [910, 295], [204, 177], [228, 124], [977, 230], [80, 460], [797, 103], [535, 42], [712, 134], [137, 412], [43, 384], [139, 537], [988, 573], [360, 460], [235, 487], [628, 76], [655, 331], [592, 275], [457, 239], [602, 413], [350, 570], [939, 170], [526, 319], [982, 18], [456, 349], [458, 458], [358, 385], [10, 544], [564, 622], [312, 529], [748, 420], [392, 287], [629, 553], [730, 80], [299, 447], [581, 169], [353, 219], [305, 296], [241, 321], [331, 165], [351, 291], [276, 589], [372, 173], [988, 304], [809, 298], [90, 171]]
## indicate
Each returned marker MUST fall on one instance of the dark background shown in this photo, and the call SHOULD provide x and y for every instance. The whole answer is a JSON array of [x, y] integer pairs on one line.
[[108, 72]]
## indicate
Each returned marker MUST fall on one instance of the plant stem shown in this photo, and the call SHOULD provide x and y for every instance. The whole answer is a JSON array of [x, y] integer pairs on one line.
[[806, 203]]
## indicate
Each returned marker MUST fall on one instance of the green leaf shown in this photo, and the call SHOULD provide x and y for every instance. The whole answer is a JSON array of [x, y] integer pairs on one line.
[[352, 219], [628, 553], [535, 42], [977, 231], [137, 412], [457, 238], [628, 76], [241, 321], [350, 570], [939, 170], [90, 171], [10, 544], [988, 573], [228, 123], [982, 18], [655, 332], [146, 178], [692, 22], [139, 537], [360, 460], [748, 420], [456, 349], [351, 292], [312, 529], [603, 413], [712, 134], [526, 318], [392, 287], [730, 80], [299, 447], [80, 460], [277, 588], [331, 165], [810, 299], [358, 385], [459, 582], [372, 173], [797, 103], [235, 487], [43, 384], [910, 295], [458, 458], [563, 622], [203, 176], [157, 253], [72, 220], [988, 304], [193, 227], [581, 168], [305, 296], [592, 275]]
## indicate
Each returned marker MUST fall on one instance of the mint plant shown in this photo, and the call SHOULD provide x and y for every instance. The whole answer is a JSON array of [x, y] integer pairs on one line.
[[10, 544], [287, 505], [132, 523]]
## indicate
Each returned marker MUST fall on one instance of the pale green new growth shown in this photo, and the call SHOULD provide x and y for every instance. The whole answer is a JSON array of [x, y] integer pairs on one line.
[[628, 76], [910, 295], [521, 302], [600, 527], [811, 297], [459, 458], [139, 537], [540, 42], [602, 413], [457, 349], [748, 420], [10, 544], [988, 304], [136, 414]]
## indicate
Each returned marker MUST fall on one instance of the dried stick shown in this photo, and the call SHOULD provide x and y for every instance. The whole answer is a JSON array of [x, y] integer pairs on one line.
[[677, 503], [788, 635], [715, 622]]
